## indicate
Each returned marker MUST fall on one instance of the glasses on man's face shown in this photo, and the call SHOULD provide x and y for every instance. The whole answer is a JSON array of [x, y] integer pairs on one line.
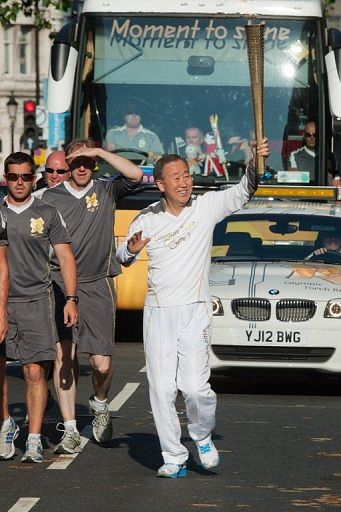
[[82, 161], [49, 170], [310, 134], [14, 176]]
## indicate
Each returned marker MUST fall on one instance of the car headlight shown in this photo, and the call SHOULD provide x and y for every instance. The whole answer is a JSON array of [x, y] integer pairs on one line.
[[333, 309], [217, 306]]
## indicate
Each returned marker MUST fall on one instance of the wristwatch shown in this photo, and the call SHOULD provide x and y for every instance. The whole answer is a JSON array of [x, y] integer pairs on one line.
[[74, 298]]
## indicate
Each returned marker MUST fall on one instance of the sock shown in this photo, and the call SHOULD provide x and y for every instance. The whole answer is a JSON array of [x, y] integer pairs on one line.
[[100, 404], [70, 425], [33, 437]]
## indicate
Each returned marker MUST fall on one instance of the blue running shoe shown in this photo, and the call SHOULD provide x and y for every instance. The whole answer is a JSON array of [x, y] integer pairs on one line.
[[208, 453], [7, 437], [172, 471]]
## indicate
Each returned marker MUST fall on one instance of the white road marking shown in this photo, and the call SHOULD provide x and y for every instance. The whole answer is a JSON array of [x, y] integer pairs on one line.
[[116, 404], [65, 459], [144, 369], [24, 504]]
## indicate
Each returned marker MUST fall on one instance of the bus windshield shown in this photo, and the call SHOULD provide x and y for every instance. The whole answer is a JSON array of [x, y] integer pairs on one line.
[[172, 74]]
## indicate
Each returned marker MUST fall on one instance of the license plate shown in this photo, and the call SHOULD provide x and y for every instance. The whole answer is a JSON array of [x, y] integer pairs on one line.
[[256, 336]]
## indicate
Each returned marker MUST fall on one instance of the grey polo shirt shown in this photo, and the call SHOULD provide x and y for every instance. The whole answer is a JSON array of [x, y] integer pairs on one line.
[[31, 229], [145, 140], [89, 216]]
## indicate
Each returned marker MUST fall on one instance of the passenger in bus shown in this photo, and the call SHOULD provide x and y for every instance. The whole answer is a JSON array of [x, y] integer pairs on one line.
[[132, 135], [177, 232], [194, 154], [305, 158], [87, 207], [239, 149]]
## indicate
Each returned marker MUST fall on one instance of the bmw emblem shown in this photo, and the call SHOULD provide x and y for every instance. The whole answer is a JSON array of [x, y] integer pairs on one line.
[[273, 291]]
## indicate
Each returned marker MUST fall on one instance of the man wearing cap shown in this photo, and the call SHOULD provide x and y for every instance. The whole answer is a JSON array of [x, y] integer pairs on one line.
[[133, 135]]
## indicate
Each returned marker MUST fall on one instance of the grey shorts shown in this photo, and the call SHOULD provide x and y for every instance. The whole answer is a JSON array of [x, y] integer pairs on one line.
[[96, 326], [96, 323], [32, 332]]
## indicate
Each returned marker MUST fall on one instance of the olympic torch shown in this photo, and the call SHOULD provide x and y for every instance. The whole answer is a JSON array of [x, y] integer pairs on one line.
[[255, 51]]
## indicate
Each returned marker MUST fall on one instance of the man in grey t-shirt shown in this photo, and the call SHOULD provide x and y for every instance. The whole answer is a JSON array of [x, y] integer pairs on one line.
[[6, 423], [32, 227], [87, 207]]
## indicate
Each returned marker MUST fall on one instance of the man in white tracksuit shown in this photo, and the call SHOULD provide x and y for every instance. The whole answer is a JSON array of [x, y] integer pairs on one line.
[[177, 232]]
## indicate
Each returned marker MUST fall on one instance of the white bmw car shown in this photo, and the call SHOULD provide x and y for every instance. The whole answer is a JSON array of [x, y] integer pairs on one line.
[[276, 287]]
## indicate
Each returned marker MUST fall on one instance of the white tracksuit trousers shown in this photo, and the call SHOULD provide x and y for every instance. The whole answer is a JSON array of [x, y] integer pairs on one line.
[[176, 346]]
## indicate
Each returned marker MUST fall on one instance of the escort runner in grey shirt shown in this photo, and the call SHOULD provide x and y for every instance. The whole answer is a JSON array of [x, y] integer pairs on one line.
[[32, 230], [89, 219], [87, 206], [33, 226]]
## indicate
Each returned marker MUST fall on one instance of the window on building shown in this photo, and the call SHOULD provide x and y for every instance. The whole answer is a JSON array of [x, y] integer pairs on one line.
[[24, 48], [8, 49]]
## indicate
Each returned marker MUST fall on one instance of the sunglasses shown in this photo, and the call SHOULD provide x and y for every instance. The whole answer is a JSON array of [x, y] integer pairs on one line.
[[310, 134], [14, 176], [49, 170], [82, 161]]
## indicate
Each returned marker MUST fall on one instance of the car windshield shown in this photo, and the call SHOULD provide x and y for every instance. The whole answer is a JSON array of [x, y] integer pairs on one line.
[[278, 237]]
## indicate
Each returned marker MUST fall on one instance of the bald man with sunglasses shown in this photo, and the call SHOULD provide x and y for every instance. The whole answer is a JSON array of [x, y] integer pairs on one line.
[[305, 158], [32, 227], [56, 171]]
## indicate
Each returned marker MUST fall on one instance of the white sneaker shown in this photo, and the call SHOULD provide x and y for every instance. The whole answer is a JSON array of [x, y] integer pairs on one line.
[[33, 452], [101, 425], [172, 471], [7, 438], [208, 453], [70, 442]]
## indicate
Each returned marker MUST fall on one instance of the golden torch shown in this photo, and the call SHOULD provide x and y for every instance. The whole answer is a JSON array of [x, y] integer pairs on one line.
[[255, 52]]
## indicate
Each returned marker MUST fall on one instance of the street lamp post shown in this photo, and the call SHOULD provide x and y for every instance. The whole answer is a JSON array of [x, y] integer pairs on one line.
[[12, 108]]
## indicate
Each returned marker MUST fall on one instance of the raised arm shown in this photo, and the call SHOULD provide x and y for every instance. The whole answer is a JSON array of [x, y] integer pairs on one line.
[[119, 163]]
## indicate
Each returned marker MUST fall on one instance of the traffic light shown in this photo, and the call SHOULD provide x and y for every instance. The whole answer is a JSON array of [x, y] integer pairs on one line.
[[31, 130]]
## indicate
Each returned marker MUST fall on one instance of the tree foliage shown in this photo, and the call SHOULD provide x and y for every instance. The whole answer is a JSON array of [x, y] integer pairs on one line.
[[37, 9]]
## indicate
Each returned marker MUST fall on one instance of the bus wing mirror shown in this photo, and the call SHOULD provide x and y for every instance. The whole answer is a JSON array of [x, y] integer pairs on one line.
[[334, 38], [333, 66], [62, 72]]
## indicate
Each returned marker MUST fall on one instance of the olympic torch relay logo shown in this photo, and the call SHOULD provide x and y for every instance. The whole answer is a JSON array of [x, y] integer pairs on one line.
[[37, 226], [92, 203]]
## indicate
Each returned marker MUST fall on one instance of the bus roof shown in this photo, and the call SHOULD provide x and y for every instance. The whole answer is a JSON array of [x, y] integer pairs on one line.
[[290, 8]]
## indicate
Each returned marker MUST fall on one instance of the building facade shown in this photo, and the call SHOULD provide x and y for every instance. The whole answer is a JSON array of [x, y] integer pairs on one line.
[[18, 75]]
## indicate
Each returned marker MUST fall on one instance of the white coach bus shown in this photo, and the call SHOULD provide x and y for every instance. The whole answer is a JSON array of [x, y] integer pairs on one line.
[[179, 62]]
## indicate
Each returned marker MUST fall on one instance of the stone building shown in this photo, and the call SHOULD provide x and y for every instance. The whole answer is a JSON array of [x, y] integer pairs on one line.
[[18, 74]]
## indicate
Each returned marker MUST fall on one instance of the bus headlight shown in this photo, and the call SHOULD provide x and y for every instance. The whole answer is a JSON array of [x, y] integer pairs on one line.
[[217, 306], [333, 309]]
